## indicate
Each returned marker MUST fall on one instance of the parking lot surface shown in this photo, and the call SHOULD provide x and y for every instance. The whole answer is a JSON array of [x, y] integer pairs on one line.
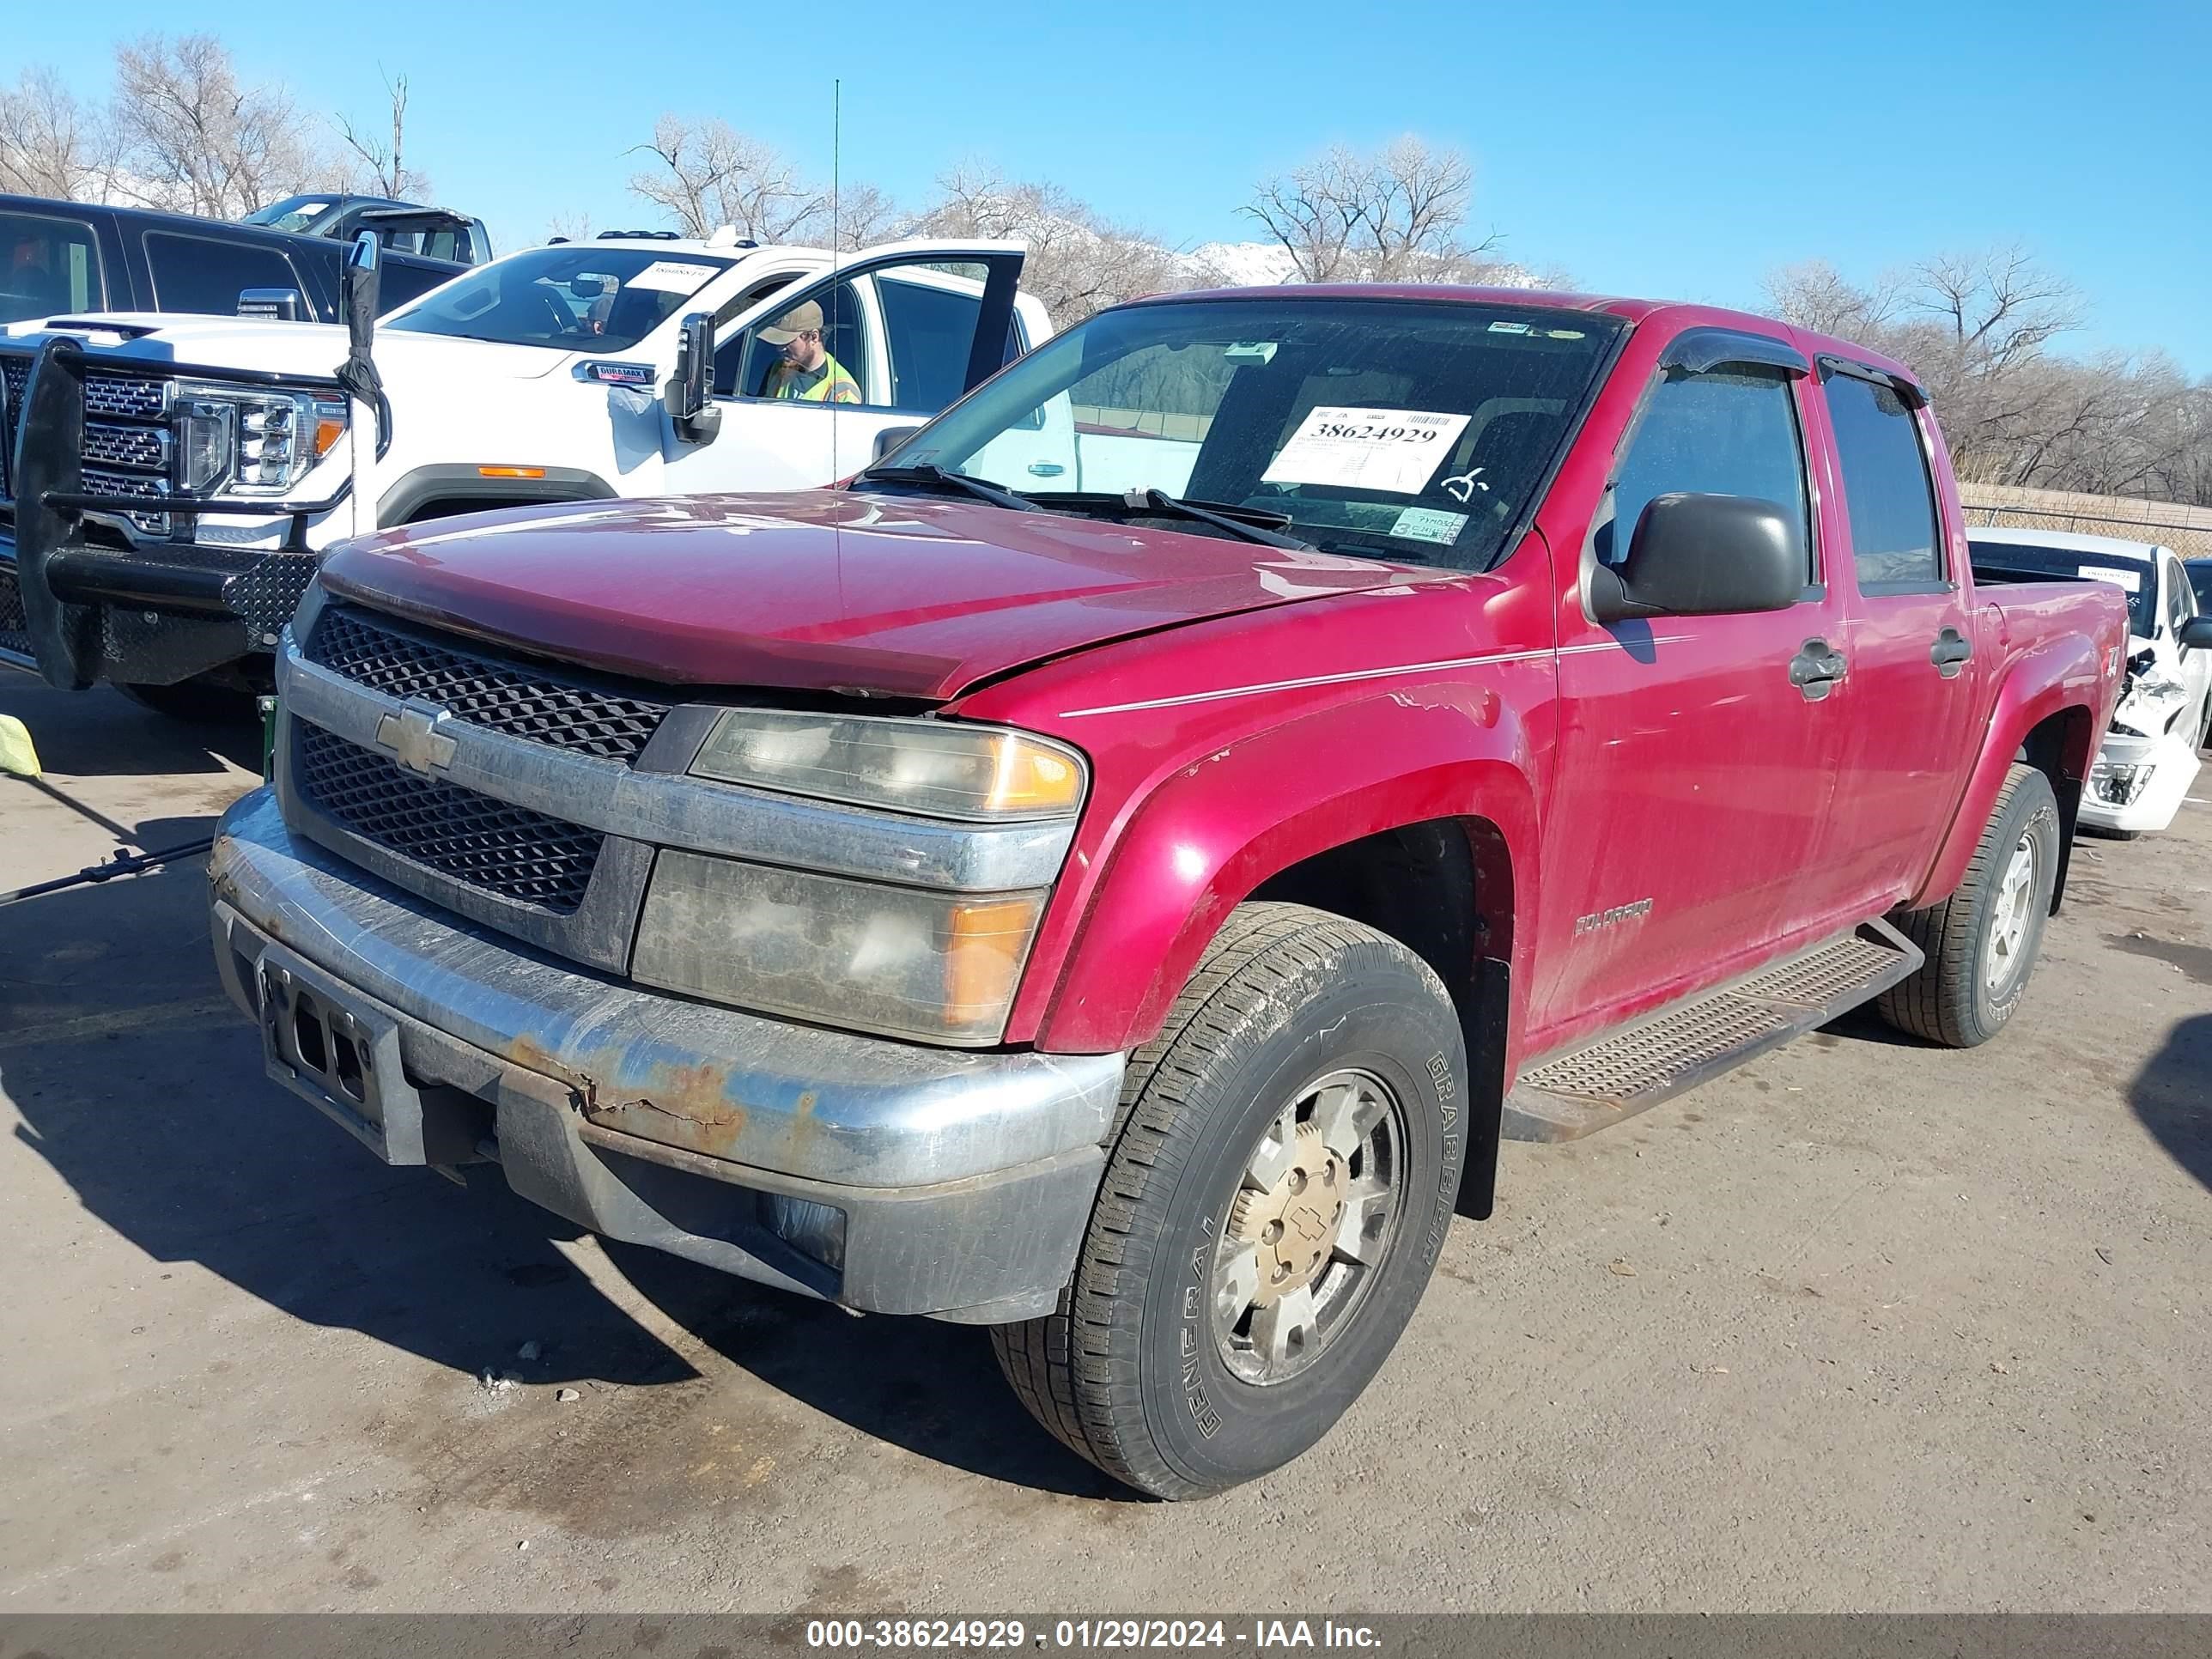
[[1862, 1325]]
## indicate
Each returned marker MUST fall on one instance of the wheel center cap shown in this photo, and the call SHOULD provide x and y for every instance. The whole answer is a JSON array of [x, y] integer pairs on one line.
[[1293, 1225]]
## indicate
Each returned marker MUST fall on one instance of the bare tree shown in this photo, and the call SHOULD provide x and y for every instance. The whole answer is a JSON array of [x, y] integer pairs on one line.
[[53, 143], [2000, 305], [1815, 295], [388, 172], [197, 139], [1078, 261], [1977, 329], [1396, 214], [710, 175], [574, 226]]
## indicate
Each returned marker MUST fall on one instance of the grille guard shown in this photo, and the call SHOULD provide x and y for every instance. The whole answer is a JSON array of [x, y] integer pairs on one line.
[[63, 582]]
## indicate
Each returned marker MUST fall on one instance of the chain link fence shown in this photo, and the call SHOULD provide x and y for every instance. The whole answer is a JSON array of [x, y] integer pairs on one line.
[[2186, 530]]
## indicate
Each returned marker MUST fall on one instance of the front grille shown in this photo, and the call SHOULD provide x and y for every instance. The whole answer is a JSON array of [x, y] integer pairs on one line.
[[99, 481], [116, 458], [14, 626], [489, 844], [15, 379], [519, 699], [128, 460], [132, 396], [127, 446]]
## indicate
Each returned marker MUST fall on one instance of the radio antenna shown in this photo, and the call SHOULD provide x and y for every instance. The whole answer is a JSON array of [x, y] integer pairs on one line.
[[836, 288]]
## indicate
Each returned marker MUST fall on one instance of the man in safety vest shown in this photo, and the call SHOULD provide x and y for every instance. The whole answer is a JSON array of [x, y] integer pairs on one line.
[[807, 372]]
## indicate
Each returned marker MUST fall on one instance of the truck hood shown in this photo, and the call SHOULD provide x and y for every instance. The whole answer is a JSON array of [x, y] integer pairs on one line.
[[315, 349], [822, 590]]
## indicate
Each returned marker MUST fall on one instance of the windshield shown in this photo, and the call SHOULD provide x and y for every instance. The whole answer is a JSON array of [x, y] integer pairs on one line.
[[1405, 429], [2134, 577], [575, 297], [293, 213]]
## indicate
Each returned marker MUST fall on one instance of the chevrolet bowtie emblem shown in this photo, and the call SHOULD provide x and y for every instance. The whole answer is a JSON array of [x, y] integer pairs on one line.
[[411, 737]]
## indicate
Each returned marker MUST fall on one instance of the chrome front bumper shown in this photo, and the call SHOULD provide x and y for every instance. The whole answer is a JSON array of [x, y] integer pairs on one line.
[[963, 1179]]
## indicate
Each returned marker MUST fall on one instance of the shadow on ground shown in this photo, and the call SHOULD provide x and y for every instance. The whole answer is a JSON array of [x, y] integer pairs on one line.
[[143, 1088], [102, 733], [2172, 1096]]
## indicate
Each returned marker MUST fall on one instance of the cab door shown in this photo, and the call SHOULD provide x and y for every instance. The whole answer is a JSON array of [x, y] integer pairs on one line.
[[1696, 754], [1910, 687], [916, 325]]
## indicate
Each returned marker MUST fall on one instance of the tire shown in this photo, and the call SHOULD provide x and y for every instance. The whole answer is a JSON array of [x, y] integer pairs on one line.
[[1137, 1370], [195, 702], [1972, 981]]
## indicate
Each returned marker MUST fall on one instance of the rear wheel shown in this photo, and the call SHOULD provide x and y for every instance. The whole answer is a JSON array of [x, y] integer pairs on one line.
[[1273, 1205], [1981, 943]]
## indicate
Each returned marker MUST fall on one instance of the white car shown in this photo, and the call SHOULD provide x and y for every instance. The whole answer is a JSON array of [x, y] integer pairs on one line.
[[2149, 758], [165, 548]]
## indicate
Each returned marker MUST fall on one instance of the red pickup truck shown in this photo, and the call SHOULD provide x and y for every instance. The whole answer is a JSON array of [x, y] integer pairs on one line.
[[1112, 870]]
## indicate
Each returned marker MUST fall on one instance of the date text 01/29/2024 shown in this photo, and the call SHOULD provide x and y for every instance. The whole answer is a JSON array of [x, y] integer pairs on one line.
[[1084, 1635]]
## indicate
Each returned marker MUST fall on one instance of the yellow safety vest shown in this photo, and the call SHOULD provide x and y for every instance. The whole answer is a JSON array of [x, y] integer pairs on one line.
[[835, 385]]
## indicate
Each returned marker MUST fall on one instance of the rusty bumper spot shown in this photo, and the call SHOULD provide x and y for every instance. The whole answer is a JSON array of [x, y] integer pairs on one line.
[[686, 1106]]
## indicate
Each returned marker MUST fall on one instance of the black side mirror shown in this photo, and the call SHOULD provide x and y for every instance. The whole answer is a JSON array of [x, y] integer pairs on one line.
[[890, 439], [2196, 634], [1694, 556], [270, 304], [691, 390], [364, 261]]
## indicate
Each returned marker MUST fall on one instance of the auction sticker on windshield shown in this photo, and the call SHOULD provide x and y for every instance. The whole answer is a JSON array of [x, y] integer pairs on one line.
[[672, 276], [2130, 580], [1396, 450]]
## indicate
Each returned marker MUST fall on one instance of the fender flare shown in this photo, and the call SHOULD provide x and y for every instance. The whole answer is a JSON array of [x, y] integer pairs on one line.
[[1204, 837], [2047, 679], [413, 491]]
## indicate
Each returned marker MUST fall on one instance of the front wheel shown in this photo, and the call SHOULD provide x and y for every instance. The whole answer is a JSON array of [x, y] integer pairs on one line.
[[1981, 943], [1279, 1184]]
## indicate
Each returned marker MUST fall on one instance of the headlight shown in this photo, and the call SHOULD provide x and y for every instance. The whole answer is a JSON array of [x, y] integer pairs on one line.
[[932, 768], [938, 966], [247, 441]]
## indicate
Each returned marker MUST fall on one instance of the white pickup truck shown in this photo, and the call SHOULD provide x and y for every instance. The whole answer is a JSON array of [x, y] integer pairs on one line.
[[169, 481]]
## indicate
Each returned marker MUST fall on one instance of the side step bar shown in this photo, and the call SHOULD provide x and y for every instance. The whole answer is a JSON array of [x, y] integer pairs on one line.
[[1634, 1066]]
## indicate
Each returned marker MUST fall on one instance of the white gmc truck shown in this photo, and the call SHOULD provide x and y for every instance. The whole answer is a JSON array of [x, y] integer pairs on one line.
[[167, 483]]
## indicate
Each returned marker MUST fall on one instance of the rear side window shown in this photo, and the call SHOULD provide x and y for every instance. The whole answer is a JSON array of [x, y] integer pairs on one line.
[[1717, 434], [1887, 489], [197, 273], [47, 266]]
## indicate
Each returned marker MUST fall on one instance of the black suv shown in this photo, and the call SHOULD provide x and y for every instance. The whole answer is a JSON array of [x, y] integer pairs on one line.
[[60, 258]]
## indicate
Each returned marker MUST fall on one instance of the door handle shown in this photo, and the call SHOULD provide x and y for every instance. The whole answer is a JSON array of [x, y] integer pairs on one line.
[[1950, 653], [1817, 669], [1047, 469]]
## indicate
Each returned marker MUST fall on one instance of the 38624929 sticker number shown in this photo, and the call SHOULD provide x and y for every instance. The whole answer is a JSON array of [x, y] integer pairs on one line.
[[1395, 451]]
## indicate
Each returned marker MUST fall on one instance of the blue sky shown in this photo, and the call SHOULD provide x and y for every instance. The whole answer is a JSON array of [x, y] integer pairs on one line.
[[1680, 151]]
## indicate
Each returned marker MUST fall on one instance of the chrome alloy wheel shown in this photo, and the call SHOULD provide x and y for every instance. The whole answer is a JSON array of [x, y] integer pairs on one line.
[[2011, 917], [1315, 1213]]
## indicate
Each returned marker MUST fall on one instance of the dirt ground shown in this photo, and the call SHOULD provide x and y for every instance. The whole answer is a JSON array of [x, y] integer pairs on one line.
[[1861, 1324]]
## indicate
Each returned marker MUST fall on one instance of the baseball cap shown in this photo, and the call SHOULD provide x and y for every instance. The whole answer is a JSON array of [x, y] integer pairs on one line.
[[805, 317]]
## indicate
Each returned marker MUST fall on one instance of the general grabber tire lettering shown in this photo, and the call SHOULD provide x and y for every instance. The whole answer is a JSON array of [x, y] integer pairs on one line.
[[1276, 1188], [1981, 943]]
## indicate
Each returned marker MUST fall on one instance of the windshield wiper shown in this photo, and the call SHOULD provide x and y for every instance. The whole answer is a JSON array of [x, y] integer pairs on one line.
[[1250, 523], [924, 475]]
